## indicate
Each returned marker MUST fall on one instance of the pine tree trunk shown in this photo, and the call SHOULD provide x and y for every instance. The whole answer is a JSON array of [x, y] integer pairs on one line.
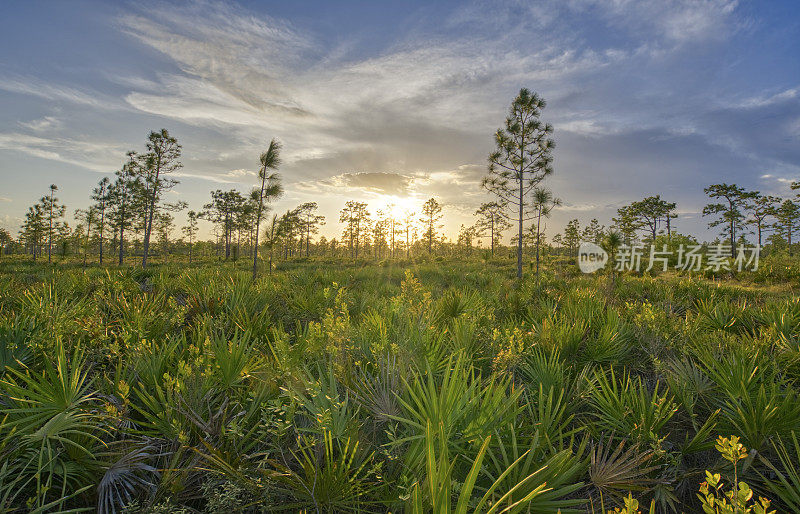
[[521, 215], [122, 230], [538, 225], [149, 227]]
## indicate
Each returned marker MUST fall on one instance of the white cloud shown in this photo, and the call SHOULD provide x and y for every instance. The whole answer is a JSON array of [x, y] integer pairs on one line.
[[43, 124], [675, 21], [256, 75], [418, 114], [764, 101], [35, 87], [92, 155]]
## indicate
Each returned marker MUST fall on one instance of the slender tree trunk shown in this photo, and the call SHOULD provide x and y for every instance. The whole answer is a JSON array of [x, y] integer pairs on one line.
[[149, 226], [521, 217], [491, 230], [122, 229], [538, 225], [238, 245], [86, 246], [50, 230], [308, 236], [759, 234], [258, 223], [789, 236], [430, 236], [357, 236], [733, 230], [102, 224]]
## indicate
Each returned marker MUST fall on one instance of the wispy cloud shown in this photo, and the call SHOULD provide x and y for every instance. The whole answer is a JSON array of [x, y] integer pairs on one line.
[[89, 154], [43, 124], [631, 85], [36, 87], [259, 75]]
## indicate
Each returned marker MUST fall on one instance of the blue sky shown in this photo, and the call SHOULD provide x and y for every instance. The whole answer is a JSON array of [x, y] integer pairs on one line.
[[398, 101]]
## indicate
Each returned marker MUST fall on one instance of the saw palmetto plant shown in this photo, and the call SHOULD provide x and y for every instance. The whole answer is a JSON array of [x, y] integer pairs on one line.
[[381, 389]]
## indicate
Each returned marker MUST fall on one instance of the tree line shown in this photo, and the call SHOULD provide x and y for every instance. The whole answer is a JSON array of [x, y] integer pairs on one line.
[[735, 211], [128, 213]]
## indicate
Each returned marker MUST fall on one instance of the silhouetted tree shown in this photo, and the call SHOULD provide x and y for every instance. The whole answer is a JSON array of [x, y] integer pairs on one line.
[[164, 224], [190, 230], [289, 229], [466, 235], [161, 159], [431, 214], [310, 220], [491, 219], [271, 237], [543, 204], [100, 195], [33, 229], [53, 212], [521, 161], [270, 189], [593, 232], [126, 198], [86, 217], [356, 219], [611, 243], [572, 236], [5, 240], [410, 229], [223, 210]]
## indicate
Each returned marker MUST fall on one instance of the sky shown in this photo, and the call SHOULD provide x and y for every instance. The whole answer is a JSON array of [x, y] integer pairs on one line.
[[397, 102]]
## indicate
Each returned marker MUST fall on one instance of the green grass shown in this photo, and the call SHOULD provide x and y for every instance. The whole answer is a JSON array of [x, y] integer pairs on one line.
[[403, 387]]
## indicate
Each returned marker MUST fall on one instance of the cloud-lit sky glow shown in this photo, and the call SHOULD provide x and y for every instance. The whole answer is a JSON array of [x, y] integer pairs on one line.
[[396, 102]]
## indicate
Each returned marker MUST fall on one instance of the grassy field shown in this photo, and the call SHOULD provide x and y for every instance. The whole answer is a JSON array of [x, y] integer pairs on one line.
[[429, 387]]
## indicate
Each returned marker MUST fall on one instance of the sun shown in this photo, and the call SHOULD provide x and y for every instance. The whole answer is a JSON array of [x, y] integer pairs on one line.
[[398, 207]]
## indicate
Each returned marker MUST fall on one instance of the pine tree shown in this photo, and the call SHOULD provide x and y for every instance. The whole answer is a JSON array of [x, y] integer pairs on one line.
[[310, 220], [125, 198], [572, 236], [491, 220], [543, 203], [161, 159], [730, 211], [53, 212], [190, 230], [357, 221], [431, 215], [521, 161], [100, 195], [269, 190]]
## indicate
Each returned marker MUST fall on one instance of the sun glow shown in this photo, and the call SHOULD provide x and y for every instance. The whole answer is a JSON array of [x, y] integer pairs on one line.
[[398, 207]]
